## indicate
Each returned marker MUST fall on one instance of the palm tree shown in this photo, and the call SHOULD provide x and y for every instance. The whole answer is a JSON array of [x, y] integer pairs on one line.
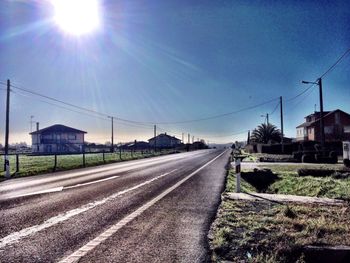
[[266, 133]]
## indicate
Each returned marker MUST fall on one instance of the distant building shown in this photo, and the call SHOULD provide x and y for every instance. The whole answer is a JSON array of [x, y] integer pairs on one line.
[[136, 145], [164, 140], [336, 126], [57, 139]]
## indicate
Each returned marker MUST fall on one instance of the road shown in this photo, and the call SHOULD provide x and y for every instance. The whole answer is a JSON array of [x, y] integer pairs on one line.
[[151, 210]]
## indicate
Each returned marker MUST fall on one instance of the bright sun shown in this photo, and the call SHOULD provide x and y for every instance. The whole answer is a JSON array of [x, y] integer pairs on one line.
[[77, 17]]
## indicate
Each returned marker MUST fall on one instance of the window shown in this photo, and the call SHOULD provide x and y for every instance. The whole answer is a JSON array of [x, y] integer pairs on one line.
[[47, 136], [72, 136], [346, 129]]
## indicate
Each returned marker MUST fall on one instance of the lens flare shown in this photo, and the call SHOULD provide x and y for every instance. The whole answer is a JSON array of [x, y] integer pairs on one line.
[[77, 17]]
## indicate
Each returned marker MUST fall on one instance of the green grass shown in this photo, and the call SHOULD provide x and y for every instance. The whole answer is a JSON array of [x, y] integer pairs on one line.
[[259, 231], [291, 183], [246, 231], [32, 165], [231, 184]]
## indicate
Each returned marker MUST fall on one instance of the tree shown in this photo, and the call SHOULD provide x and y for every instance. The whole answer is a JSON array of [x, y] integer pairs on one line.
[[266, 133]]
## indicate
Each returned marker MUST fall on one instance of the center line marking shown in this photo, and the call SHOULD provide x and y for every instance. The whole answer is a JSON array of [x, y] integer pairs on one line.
[[88, 183], [78, 254], [14, 237]]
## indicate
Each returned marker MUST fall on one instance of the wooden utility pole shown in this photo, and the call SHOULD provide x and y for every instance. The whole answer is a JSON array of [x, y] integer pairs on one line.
[[7, 128], [188, 139], [319, 83], [282, 135], [321, 115], [112, 136], [183, 138]]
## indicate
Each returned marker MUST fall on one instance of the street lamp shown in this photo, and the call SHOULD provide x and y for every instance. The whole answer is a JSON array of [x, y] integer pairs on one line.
[[319, 83], [267, 118]]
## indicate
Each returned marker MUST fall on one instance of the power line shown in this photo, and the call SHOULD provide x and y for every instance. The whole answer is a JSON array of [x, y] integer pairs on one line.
[[336, 63], [301, 93], [275, 108], [143, 122], [80, 112], [219, 115], [60, 106]]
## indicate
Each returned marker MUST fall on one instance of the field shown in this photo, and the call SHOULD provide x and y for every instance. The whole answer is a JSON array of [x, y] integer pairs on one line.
[[31, 165]]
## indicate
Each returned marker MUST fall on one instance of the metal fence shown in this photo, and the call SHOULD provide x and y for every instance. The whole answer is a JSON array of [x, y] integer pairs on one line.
[[26, 164]]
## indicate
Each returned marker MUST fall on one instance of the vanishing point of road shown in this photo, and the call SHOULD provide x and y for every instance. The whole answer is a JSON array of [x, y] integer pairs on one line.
[[150, 210]]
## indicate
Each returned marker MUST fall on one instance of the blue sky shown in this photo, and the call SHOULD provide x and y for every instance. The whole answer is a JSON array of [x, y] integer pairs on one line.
[[169, 61]]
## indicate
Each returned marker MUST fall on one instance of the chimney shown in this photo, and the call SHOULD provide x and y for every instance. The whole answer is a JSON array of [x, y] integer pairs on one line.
[[37, 126]]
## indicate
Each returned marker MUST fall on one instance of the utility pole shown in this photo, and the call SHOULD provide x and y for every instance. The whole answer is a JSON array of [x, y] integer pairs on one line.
[[183, 138], [282, 135], [267, 118], [188, 139], [112, 136], [321, 115], [155, 138], [319, 83], [7, 128], [192, 139]]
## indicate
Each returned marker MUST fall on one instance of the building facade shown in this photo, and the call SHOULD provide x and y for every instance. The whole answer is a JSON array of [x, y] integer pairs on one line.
[[57, 139], [164, 140], [336, 127]]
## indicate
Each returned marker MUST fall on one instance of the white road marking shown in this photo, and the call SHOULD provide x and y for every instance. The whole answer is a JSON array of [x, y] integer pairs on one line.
[[13, 184], [13, 237], [78, 254], [46, 191], [61, 188], [88, 183]]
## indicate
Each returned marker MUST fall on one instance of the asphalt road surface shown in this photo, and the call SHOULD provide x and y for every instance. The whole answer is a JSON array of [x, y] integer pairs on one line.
[[151, 210]]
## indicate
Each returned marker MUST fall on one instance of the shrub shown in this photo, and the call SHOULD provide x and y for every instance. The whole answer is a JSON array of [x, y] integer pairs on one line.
[[260, 179], [315, 172]]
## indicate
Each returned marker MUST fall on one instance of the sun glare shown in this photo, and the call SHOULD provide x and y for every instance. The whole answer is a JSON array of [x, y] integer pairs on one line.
[[77, 17]]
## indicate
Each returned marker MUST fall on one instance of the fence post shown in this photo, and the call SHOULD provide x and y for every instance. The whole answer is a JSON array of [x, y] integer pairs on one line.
[[120, 153], [55, 163], [238, 174], [103, 155], [84, 159], [17, 163]]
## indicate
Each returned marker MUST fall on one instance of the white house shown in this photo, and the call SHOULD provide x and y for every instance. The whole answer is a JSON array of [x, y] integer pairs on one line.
[[57, 139]]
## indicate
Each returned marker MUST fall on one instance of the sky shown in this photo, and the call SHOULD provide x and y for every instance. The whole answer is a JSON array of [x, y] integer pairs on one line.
[[173, 61]]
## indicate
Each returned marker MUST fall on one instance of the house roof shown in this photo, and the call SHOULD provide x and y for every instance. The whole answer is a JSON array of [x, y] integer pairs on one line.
[[166, 135], [305, 124], [317, 113], [58, 128]]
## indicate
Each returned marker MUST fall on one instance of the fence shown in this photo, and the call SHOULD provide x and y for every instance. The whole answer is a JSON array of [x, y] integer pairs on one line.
[[24, 164]]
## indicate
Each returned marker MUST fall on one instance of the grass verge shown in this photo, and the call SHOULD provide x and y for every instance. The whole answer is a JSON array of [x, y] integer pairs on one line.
[[251, 231], [33, 165], [289, 182]]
